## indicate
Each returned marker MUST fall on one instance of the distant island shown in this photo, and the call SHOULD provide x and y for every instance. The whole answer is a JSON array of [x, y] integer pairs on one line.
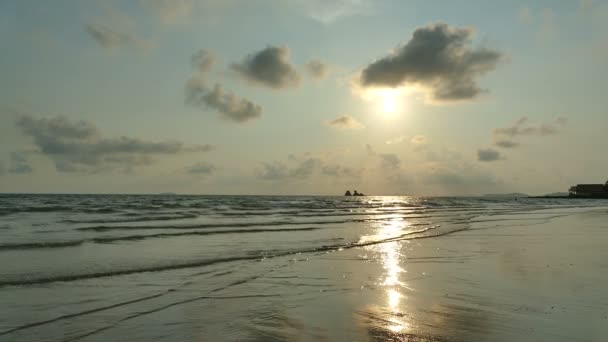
[[355, 193], [557, 194]]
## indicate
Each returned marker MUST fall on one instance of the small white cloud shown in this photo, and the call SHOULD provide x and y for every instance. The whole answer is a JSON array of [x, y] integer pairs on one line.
[[419, 139], [396, 140], [330, 11]]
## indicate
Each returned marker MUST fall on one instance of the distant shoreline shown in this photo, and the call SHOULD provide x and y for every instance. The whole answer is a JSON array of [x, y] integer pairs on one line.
[[569, 197]]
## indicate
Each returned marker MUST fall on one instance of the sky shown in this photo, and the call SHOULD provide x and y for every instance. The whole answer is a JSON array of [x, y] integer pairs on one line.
[[311, 97]]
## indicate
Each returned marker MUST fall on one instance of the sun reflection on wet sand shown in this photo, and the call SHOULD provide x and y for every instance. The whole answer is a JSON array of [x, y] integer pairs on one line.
[[390, 256]]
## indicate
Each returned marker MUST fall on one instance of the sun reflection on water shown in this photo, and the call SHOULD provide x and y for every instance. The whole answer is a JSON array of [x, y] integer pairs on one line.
[[390, 257]]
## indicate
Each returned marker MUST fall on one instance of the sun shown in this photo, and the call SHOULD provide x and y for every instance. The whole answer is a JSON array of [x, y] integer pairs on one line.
[[389, 101]]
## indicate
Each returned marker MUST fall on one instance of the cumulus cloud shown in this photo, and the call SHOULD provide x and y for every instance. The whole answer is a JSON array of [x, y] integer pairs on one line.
[[77, 146], [269, 67], [345, 122], [203, 60], [228, 105], [317, 69], [113, 38], [201, 169], [488, 155], [19, 164], [439, 58], [170, 11]]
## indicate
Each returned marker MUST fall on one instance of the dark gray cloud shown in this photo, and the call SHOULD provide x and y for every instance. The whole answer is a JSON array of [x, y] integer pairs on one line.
[[437, 57], [19, 164], [228, 105], [269, 67], [111, 37], [345, 122], [77, 146], [201, 168], [488, 155], [203, 60], [317, 69]]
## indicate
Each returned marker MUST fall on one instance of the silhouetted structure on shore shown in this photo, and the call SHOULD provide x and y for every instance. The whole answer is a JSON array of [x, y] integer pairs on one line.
[[589, 190], [355, 193]]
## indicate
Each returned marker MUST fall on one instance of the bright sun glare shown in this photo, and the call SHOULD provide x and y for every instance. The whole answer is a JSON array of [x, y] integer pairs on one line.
[[389, 101]]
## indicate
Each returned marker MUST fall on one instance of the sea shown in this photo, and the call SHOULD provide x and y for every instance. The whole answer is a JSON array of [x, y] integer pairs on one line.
[[237, 268]]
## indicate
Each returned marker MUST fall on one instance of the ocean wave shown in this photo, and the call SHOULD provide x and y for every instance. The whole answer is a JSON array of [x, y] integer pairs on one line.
[[63, 244], [419, 234]]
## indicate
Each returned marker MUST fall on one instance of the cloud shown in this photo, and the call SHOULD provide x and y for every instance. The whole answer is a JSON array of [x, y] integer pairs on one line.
[[488, 155], [419, 139], [395, 140], [525, 15], [387, 161], [274, 171], [201, 168], [301, 168], [345, 122], [77, 146], [460, 178], [113, 38], [439, 58], [203, 60], [228, 105], [170, 11], [506, 143], [317, 69], [522, 127], [269, 67], [339, 171], [279, 171], [19, 164], [330, 11]]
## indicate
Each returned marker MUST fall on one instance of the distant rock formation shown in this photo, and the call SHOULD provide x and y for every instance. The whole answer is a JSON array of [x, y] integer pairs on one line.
[[355, 193], [347, 193]]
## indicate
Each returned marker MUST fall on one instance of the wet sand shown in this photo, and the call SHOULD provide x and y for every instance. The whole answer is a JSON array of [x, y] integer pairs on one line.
[[529, 282]]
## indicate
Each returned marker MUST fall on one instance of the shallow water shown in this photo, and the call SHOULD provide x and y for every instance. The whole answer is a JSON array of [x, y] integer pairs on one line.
[[166, 268]]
